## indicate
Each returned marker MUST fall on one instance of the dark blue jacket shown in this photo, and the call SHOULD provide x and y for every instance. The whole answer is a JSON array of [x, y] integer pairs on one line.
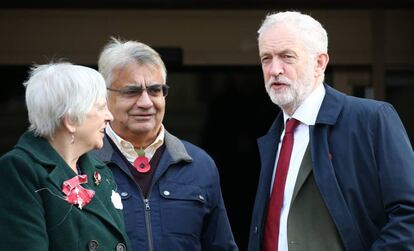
[[363, 165], [184, 210]]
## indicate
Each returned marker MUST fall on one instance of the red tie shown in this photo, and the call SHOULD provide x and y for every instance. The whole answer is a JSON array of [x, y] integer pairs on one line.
[[271, 232]]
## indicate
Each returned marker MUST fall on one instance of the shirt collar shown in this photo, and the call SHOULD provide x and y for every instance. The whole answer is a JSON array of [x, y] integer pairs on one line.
[[128, 150], [309, 109]]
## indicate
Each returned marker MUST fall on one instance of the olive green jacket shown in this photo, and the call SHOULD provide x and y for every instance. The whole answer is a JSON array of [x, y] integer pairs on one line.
[[34, 214], [310, 226]]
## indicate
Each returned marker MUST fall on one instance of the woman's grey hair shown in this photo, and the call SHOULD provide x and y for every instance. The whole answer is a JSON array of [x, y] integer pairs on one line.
[[117, 54], [313, 35], [56, 90]]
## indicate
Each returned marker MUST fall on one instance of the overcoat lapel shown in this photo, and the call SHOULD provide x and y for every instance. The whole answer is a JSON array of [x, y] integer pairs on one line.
[[324, 172], [61, 172]]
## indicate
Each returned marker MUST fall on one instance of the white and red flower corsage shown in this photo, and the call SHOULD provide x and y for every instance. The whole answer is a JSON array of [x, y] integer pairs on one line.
[[75, 193]]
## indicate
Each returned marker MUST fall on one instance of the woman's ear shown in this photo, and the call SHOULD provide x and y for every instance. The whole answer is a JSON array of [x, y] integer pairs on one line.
[[69, 124], [321, 63]]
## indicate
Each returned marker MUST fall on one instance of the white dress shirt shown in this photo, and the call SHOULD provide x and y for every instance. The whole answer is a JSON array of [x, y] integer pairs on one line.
[[306, 114]]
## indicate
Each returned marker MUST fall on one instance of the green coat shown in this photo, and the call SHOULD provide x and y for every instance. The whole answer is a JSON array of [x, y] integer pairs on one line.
[[33, 213]]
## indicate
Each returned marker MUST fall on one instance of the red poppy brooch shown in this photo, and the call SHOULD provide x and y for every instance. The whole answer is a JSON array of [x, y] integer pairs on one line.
[[75, 193], [141, 163]]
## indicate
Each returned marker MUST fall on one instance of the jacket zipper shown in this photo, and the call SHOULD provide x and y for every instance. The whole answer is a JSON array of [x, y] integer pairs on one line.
[[148, 210], [148, 224]]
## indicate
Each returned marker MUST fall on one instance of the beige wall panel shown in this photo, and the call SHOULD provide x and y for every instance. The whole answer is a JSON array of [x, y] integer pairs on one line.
[[221, 37], [207, 37], [399, 43], [349, 34]]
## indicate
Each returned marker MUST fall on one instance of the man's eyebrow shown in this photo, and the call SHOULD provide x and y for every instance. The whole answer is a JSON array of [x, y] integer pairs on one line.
[[264, 53], [133, 84], [288, 51], [132, 87]]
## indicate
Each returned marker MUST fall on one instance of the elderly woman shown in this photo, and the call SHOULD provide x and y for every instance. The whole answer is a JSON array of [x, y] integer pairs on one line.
[[54, 195]]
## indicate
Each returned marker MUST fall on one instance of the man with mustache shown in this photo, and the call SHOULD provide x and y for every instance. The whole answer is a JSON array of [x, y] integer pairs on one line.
[[170, 189], [337, 171]]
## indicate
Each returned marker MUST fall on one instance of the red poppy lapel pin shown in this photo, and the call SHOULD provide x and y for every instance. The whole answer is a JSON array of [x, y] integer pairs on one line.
[[141, 163], [75, 193]]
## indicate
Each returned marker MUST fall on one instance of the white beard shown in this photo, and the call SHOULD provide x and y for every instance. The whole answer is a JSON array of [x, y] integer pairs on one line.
[[294, 93]]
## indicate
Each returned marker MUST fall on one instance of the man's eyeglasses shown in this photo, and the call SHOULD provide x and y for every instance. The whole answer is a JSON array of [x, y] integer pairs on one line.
[[131, 91]]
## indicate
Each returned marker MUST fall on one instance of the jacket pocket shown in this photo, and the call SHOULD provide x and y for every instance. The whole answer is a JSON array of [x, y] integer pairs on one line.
[[132, 211], [183, 208]]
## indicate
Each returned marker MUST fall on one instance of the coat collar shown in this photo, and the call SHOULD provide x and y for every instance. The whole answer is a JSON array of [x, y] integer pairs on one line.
[[175, 152], [42, 152], [174, 147], [39, 149], [45, 155], [329, 112], [331, 107]]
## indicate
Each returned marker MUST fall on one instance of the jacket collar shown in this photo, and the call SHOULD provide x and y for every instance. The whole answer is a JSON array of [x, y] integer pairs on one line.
[[331, 106], [43, 153], [328, 114], [39, 149], [174, 147]]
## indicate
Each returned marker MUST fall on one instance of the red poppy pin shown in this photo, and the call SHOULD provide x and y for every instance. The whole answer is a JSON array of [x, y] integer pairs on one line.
[[141, 163], [75, 193]]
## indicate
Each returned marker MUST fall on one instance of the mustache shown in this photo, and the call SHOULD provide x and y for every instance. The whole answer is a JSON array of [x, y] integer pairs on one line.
[[278, 79]]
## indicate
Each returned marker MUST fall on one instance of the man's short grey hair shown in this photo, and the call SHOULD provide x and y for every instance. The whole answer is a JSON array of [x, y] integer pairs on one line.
[[56, 90], [313, 35], [117, 54]]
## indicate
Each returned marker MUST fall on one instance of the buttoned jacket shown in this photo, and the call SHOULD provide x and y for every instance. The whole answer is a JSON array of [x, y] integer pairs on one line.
[[34, 214], [184, 210]]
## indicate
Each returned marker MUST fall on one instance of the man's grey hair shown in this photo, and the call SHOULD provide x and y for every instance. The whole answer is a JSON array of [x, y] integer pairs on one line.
[[314, 36], [117, 54]]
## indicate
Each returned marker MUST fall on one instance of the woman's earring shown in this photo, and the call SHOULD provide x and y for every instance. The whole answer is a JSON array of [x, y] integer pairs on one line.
[[72, 140]]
